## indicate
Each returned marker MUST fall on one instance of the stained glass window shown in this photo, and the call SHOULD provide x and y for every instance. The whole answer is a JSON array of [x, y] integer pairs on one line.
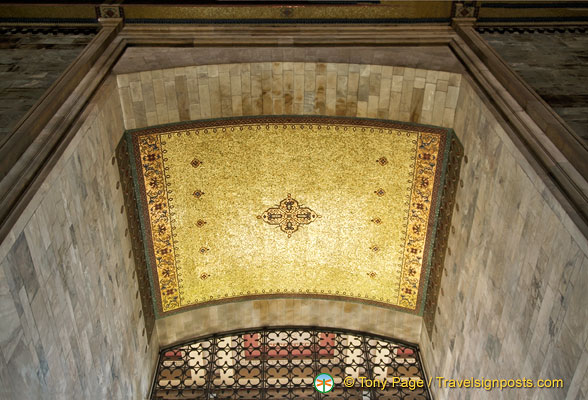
[[283, 364]]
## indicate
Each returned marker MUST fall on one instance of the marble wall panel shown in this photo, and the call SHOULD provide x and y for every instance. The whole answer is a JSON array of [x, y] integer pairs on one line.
[[71, 322], [513, 301]]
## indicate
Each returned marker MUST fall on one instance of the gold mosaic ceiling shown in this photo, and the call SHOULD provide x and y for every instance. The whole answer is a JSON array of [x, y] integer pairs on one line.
[[288, 206]]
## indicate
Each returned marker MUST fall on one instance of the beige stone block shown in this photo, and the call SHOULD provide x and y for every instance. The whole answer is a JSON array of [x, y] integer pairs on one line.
[[247, 104], [276, 68], [321, 68], [353, 68], [331, 101], [174, 116], [152, 118], [353, 83], [298, 108], [288, 102], [298, 68], [136, 91], [432, 76], [426, 116], [438, 108], [148, 96], [122, 80], [236, 85], [419, 83], [256, 68], [201, 72], [277, 85], [126, 103], [193, 95], [215, 97], [237, 106], [309, 66], [429, 97], [203, 92], [168, 75], [398, 71], [288, 80], [332, 80], [362, 108], [320, 99], [384, 102], [351, 106], [135, 77], [162, 113], [298, 88], [420, 73], [179, 71], [331, 67], [448, 117], [225, 84], [387, 72], [409, 74], [406, 95], [397, 83], [268, 105], [213, 71], [235, 69], [287, 66], [454, 79], [245, 82], [342, 69], [442, 85], [372, 110], [364, 70], [443, 75], [223, 69], [170, 95], [194, 111], [394, 109], [309, 80]]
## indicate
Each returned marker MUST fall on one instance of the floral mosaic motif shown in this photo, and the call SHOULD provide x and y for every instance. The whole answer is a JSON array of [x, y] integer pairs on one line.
[[160, 220], [377, 221], [196, 163], [200, 223], [418, 219], [198, 194], [289, 215], [382, 161], [380, 192]]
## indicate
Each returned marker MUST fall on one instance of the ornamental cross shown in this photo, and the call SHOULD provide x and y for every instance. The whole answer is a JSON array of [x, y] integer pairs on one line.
[[289, 215]]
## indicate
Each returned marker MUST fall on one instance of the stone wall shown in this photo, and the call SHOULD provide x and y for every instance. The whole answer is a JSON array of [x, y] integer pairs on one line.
[[513, 299], [555, 65], [71, 320], [226, 90], [289, 312], [30, 61]]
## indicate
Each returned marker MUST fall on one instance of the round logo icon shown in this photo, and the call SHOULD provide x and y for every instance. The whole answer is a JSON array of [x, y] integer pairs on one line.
[[324, 383]]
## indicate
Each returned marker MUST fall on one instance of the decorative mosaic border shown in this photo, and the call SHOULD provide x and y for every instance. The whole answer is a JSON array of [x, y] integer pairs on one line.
[[450, 184], [134, 230], [161, 256]]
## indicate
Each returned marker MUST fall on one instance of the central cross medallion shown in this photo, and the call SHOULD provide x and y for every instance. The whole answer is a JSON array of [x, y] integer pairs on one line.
[[289, 215]]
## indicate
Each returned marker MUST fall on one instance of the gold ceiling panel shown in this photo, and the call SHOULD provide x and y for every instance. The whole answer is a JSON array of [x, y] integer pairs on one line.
[[288, 206]]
